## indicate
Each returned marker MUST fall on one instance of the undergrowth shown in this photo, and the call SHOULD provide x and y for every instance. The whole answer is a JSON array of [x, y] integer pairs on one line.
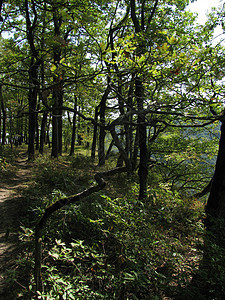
[[108, 247], [7, 157]]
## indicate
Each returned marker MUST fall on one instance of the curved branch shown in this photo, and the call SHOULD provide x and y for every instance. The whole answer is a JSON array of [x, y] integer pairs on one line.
[[39, 230], [117, 27], [205, 191], [121, 149]]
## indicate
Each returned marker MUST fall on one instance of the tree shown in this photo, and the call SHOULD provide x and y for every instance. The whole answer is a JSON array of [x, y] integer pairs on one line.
[[3, 133], [35, 63], [216, 204], [73, 128], [165, 67]]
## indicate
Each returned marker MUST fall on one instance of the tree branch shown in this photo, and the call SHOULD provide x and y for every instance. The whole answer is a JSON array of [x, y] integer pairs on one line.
[[205, 191], [99, 177], [134, 16], [152, 13]]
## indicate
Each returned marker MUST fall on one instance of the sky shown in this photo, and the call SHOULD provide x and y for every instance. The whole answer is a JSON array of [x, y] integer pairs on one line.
[[202, 7]]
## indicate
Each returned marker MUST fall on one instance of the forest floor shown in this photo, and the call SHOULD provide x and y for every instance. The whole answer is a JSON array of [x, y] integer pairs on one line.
[[12, 209], [159, 240]]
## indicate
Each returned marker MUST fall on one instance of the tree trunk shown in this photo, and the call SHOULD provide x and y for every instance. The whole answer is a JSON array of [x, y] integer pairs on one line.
[[57, 91], [43, 132], [60, 122], [142, 140], [87, 132], [129, 128], [209, 280], [139, 26], [74, 128], [35, 62], [119, 162], [121, 149], [0, 126], [101, 147], [135, 152], [102, 133], [94, 139], [3, 116], [32, 97], [216, 203], [26, 131], [109, 150], [55, 143], [79, 137], [43, 95], [37, 130], [47, 140], [57, 118]]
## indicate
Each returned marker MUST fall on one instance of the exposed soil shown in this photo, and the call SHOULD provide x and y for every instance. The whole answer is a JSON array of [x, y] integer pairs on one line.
[[12, 208]]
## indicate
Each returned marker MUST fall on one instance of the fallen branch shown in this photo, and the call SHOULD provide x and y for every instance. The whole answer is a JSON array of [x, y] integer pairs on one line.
[[99, 177]]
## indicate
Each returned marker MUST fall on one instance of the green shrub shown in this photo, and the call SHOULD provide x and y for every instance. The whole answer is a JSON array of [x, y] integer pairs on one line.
[[115, 247]]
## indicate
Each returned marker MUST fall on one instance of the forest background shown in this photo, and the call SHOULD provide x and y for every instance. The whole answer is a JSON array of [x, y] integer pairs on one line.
[[126, 96]]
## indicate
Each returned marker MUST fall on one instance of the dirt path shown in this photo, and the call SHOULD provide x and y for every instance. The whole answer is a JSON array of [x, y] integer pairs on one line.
[[11, 209]]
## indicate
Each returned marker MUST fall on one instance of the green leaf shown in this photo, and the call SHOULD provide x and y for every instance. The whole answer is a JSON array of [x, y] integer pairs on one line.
[[53, 68]]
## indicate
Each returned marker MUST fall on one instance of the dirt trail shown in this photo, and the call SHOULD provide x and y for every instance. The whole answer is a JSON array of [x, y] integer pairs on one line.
[[11, 208]]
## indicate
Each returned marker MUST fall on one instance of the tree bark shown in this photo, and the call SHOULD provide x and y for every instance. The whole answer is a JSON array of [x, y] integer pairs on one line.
[[57, 91], [55, 143], [0, 126], [121, 149], [3, 136], [57, 118], [128, 128], [214, 239], [74, 128], [33, 76], [43, 132], [109, 150], [32, 98], [37, 129], [216, 202], [142, 140], [43, 95], [135, 151], [102, 133], [94, 139]]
